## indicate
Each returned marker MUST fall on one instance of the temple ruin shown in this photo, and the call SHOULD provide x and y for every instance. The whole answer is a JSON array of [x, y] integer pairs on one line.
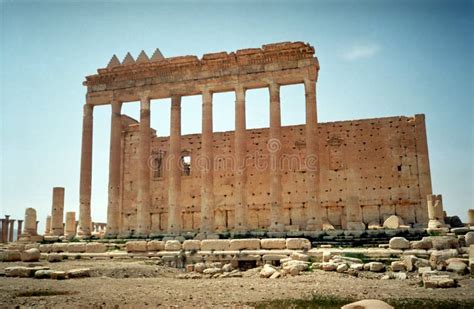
[[339, 175]]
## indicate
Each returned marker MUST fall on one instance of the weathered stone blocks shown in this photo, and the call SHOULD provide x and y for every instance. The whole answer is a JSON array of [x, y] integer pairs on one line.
[[31, 255], [244, 244], [76, 247], [273, 243], [173, 245], [192, 245], [155, 245], [399, 243], [136, 246], [215, 244], [298, 244], [95, 247]]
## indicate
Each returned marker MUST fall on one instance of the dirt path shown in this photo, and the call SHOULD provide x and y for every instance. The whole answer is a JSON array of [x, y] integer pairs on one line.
[[141, 284]]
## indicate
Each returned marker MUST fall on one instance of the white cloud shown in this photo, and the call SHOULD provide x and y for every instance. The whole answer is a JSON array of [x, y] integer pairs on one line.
[[361, 51]]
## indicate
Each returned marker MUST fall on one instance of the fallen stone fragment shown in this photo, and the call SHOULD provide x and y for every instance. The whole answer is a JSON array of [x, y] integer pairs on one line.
[[398, 266], [212, 271], [399, 243], [457, 266], [267, 271], [10, 256], [376, 266], [328, 266], [54, 257], [438, 281], [31, 255], [78, 273], [368, 304], [43, 274], [58, 275]]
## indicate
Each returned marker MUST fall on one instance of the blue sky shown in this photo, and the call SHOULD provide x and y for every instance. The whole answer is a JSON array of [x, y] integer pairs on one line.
[[378, 58]]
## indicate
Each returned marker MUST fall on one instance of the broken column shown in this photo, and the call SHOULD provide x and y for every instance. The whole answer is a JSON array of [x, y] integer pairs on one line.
[[70, 228], [30, 224], [4, 229], [57, 212], [470, 217], [435, 211], [47, 229]]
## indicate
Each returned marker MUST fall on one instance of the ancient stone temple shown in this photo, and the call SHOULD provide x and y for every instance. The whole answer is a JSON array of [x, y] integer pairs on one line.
[[345, 174]]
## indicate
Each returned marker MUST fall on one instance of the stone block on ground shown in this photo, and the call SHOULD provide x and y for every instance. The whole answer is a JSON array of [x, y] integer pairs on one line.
[[398, 266], [10, 256], [173, 245], [95, 247], [425, 244], [199, 267], [215, 244], [267, 271], [192, 245], [399, 243], [368, 304], [78, 273], [298, 244], [300, 256], [76, 247], [469, 239], [31, 255], [392, 222], [245, 244], [43, 274], [54, 257], [376, 266], [45, 248], [457, 266], [155, 245], [136, 246], [438, 281], [273, 243], [58, 275]]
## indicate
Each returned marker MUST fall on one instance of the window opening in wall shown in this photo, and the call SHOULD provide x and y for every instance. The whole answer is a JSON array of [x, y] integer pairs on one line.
[[186, 164], [158, 165]]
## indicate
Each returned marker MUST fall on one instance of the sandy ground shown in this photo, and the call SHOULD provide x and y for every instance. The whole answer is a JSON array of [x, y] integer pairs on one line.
[[139, 284]]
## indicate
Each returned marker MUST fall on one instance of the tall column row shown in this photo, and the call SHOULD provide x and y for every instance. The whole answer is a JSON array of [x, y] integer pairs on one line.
[[205, 164]]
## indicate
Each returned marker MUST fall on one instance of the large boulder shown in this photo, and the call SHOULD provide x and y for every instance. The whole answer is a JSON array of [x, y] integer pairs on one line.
[[393, 222], [273, 243], [136, 246], [469, 238], [31, 255], [399, 243], [298, 244], [245, 244]]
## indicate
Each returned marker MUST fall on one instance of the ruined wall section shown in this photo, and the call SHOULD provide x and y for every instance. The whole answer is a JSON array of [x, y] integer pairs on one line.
[[382, 161]]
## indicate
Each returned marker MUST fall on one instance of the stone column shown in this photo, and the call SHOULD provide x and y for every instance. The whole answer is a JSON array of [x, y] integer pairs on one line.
[[84, 229], [206, 165], [30, 222], [274, 148], [143, 200], [57, 212], [435, 211], [470, 217], [174, 182], [47, 229], [4, 228], [70, 228], [316, 217], [10, 234], [18, 231], [113, 209], [240, 144]]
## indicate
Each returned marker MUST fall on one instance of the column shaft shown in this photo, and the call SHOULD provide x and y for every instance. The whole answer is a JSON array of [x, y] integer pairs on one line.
[[113, 210], [10, 234], [240, 168], [206, 162], [19, 229], [57, 212], [274, 147], [174, 183], [316, 217], [143, 202], [84, 229]]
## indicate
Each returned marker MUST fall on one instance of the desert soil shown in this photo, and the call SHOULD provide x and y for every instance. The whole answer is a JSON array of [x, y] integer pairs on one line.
[[132, 283]]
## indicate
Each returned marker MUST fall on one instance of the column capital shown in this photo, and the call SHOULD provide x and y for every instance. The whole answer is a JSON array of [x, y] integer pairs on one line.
[[274, 87], [116, 106], [144, 95], [88, 109]]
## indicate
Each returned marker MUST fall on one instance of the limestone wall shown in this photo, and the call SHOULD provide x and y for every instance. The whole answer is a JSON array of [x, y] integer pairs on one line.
[[382, 161]]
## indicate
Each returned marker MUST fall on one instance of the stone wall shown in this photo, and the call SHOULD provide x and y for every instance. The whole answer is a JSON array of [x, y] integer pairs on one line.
[[382, 161]]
